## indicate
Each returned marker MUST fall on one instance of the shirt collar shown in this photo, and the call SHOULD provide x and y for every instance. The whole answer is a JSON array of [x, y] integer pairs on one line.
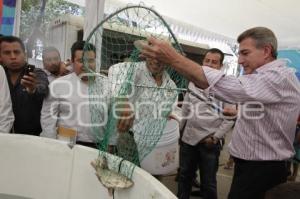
[[270, 65]]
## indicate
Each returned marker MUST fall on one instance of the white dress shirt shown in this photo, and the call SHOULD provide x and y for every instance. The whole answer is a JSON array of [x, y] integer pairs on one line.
[[75, 104], [144, 89], [50, 76], [6, 113], [152, 103], [269, 102], [203, 118]]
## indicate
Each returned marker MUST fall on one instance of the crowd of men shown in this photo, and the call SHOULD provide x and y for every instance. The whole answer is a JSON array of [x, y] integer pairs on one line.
[[267, 96]]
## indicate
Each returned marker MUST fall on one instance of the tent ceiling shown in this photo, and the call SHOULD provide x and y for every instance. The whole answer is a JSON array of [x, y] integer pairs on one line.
[[231, 17]]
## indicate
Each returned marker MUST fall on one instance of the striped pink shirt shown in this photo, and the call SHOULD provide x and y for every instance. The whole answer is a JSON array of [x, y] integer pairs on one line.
[[269, 102]]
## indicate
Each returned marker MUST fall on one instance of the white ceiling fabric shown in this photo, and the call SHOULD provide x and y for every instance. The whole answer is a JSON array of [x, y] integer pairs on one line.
[[231, 17]]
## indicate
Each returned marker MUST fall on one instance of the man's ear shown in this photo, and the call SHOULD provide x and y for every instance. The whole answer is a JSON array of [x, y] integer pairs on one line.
[[268, 51]]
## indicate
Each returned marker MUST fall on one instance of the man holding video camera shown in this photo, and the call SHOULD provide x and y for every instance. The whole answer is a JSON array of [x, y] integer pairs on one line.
[[28, 86]]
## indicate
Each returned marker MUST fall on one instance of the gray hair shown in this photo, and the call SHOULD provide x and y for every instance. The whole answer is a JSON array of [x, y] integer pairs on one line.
[[262, 36]]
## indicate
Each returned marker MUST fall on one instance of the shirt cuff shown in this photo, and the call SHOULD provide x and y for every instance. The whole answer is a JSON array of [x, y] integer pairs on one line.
[[212, 76]]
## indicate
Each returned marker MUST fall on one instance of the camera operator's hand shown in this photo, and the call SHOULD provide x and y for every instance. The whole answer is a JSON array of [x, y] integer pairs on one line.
[[29, 82]]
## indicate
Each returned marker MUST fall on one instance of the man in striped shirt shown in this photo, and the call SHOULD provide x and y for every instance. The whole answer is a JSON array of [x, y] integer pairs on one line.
[[269, 98]]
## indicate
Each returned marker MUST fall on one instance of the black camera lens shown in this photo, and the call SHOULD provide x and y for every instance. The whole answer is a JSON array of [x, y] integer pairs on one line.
[[29, 68]]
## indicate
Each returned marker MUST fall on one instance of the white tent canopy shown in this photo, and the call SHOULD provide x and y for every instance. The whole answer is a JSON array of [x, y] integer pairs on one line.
[[231, 17]]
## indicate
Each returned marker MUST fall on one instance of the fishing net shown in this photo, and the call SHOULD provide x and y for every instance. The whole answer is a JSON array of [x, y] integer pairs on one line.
[[123, 82]]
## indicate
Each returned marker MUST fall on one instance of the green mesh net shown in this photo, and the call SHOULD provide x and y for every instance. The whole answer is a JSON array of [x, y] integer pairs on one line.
[[122, 81]]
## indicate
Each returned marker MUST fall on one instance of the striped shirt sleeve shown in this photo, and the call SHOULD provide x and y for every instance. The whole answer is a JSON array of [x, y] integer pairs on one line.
[[262, 87]]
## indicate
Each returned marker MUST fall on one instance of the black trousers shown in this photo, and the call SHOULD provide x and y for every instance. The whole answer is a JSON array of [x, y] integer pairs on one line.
[[201, 157], [252, 179]]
